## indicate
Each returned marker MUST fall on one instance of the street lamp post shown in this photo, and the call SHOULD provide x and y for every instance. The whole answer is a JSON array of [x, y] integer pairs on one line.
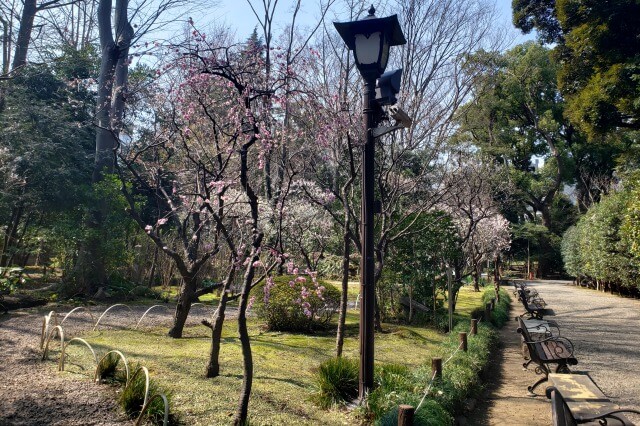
[[369, 39]]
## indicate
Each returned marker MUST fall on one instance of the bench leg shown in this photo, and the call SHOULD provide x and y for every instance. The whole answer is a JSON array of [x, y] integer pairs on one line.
[[536, 384], [563, 369], [543, 369]]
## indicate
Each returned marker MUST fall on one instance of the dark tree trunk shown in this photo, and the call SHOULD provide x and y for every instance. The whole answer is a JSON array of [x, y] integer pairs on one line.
[[182, 308], [476, 278], [346, 252], [5, 47], [247, 358], [18, 243], [11, 234], [90, 271], [240, 418], [29, 11], [213, 366], [546, 216], [152, 272]]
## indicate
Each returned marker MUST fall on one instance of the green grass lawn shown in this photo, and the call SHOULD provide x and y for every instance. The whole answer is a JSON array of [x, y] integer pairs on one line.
[[283, 366]]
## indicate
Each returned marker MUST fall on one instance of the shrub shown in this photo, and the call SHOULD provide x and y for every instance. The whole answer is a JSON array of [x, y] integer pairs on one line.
[[500, 315], [460, 380], [337, 382], [293, 305], [461, 376], [430, 414]]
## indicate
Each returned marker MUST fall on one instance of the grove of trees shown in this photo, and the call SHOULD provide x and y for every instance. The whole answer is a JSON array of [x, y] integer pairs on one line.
[[215, 161]]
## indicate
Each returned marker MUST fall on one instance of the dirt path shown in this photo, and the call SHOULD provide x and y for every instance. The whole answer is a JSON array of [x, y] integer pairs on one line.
[[605, 330], [32, 392]]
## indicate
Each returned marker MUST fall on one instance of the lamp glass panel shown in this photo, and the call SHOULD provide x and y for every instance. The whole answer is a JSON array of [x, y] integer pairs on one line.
[[385, 55], [368, 48]]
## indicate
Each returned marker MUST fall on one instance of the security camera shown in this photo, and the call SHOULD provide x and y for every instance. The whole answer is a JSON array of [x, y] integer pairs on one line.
[[401, 117], [388, 86]]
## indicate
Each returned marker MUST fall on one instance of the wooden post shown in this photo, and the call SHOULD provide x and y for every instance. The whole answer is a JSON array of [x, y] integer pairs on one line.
[[462, 336], [487, 312], [405, 415], [474, 326], [436, 367]]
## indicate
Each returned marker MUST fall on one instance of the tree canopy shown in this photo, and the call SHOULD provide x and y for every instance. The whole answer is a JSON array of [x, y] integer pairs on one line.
[[598, 49]]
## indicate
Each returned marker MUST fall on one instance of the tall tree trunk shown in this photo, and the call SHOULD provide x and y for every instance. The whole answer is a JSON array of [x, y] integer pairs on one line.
[[11, 233], [90, 270], [24, 33], [546, 215], [112, 82], [5, 46], [476, 278], [154, 262], [18, 242], [346, 254], [240, 418]]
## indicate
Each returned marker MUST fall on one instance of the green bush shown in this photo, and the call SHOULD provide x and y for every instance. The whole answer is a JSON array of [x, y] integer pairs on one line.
[[430, 414], [393, 383], [337, 382], [461, 375], [460, 380], [10, 279], [291, 305], [396, 384], [500, 315]]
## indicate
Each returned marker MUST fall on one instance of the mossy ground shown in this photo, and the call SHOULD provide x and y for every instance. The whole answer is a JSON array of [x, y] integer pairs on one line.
[[283, 364]]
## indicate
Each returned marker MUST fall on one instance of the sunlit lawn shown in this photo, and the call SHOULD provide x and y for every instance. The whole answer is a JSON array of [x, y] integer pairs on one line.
[[283, 366]]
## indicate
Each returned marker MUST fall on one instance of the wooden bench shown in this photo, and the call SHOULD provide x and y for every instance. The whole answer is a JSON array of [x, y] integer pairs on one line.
[[532, 307], [554, 350], [576, 399], [538, 330]]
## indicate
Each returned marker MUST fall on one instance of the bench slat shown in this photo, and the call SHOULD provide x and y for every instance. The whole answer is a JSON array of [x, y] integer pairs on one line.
[[584, 399], [552, 350]]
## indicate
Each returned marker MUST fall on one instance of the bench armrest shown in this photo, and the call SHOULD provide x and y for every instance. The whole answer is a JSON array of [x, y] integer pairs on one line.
[[611, 415]]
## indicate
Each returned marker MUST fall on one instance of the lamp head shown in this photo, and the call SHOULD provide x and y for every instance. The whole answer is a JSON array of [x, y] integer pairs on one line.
[[370, 39]]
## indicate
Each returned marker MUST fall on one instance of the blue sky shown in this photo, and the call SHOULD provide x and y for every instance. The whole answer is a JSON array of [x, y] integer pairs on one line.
[[238, 15]]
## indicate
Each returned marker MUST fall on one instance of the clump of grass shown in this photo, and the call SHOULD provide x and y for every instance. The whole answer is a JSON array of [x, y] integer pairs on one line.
[[131, 399], [337, 382], [392, 383], [107, 369]]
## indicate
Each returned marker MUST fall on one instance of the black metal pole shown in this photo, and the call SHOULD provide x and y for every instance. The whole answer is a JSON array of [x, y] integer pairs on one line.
[[367, 264]]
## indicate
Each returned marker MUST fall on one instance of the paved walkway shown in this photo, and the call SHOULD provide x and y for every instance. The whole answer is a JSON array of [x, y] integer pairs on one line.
[[605, 331]]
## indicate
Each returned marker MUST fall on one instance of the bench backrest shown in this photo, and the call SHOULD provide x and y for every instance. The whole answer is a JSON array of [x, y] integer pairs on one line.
[[523, 298], [533, 353], [522, 329]]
